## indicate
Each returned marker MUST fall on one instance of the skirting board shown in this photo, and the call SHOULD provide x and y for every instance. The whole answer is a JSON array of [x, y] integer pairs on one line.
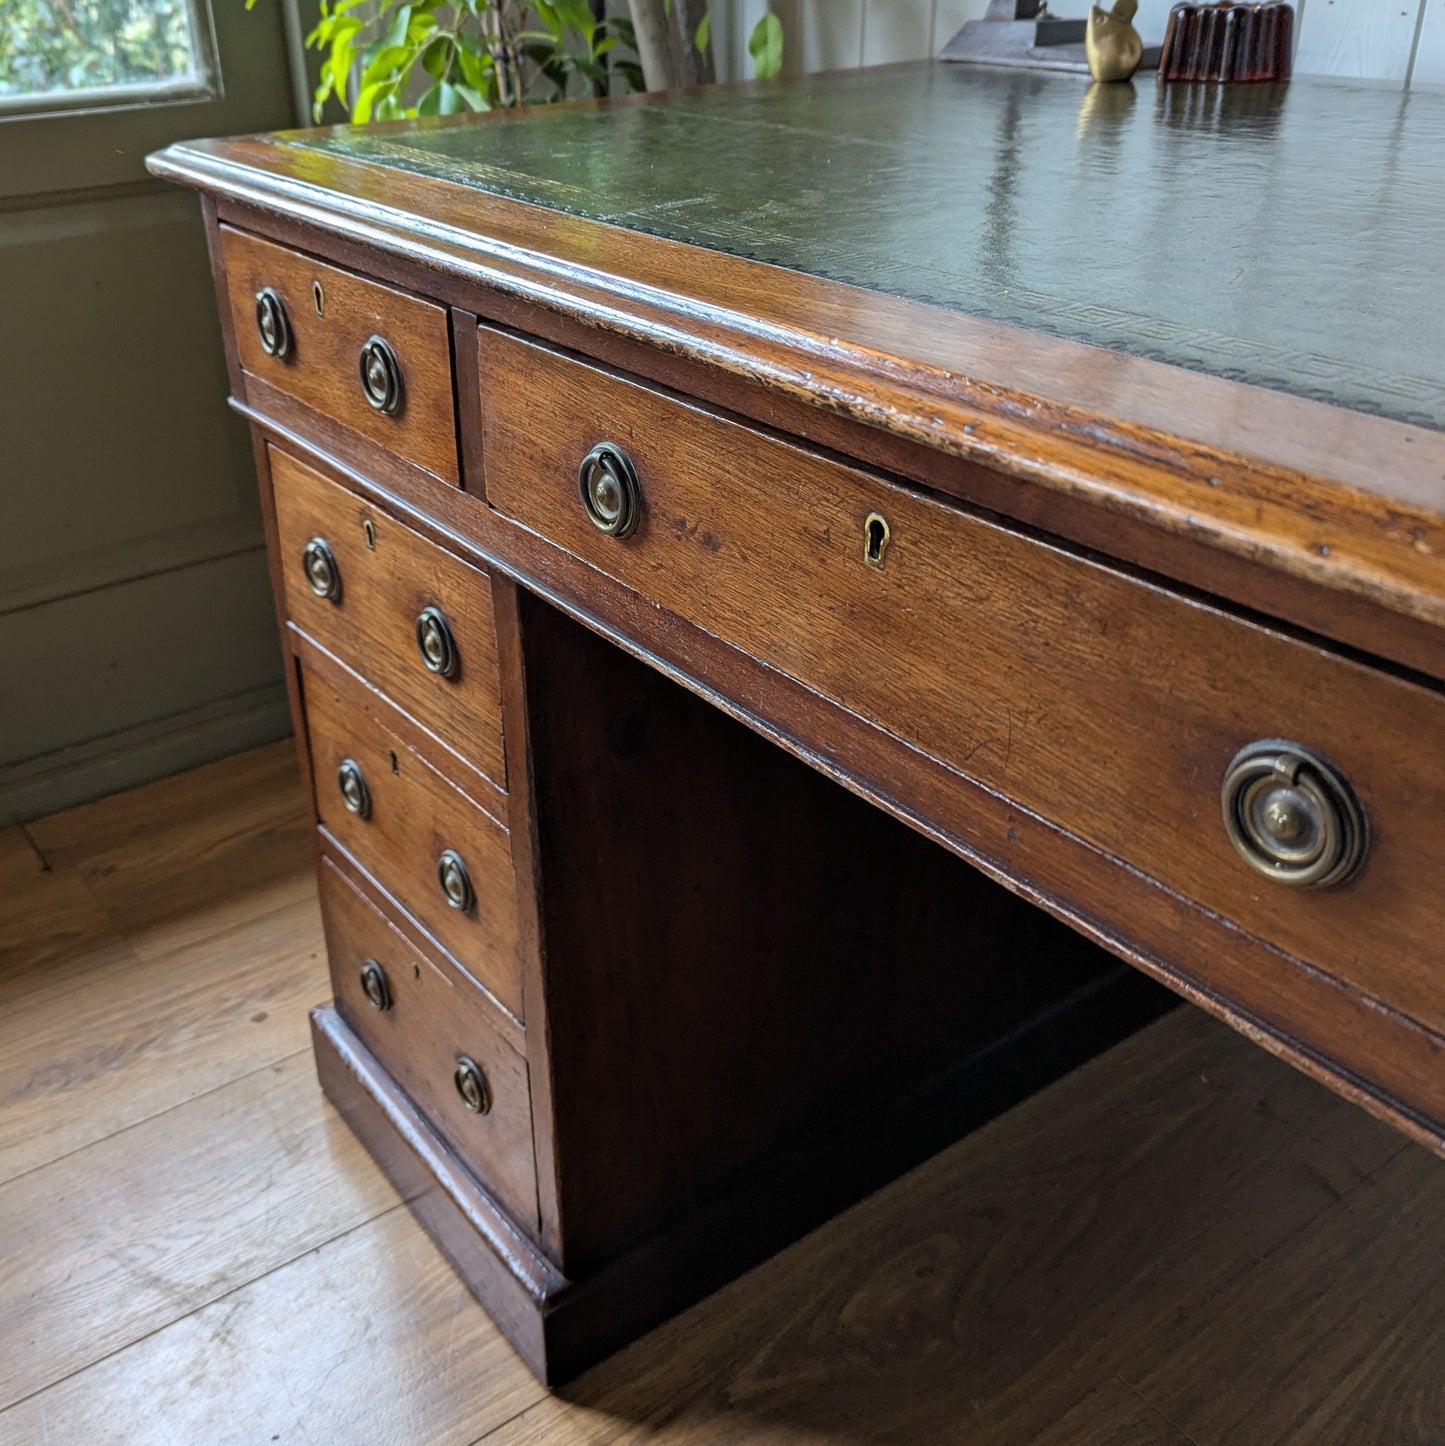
[[50, 782]]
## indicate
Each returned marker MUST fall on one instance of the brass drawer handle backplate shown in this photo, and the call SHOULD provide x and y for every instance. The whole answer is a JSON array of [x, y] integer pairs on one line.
[[322, 574], [354, 792], [472, 1086], [381, 376], [272, 324], [375, 986], [456, 882], [435, 642], [607, 481], [1292, 815]]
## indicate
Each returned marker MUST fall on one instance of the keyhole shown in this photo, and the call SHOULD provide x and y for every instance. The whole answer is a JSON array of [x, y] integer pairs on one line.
[[878, 535], [369, 528], [319, 297], [395, 767]]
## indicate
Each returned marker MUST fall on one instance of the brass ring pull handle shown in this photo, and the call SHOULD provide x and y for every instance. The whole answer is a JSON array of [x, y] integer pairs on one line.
[[472, 1086], [375, 986], [435, 642], [381, 376], [610, 492], [273, 325], [354, 792], [1292, 815], [322, 574], [456, 882]]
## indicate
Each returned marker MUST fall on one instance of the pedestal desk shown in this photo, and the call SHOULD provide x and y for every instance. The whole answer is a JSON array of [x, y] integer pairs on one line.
[[785, 587]]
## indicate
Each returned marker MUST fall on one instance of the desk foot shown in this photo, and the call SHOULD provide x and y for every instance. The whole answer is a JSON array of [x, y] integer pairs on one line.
[[560, 1327]]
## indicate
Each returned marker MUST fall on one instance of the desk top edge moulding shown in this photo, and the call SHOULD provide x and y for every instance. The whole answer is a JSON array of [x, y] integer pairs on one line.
[[1290, 438], [1060, 469]]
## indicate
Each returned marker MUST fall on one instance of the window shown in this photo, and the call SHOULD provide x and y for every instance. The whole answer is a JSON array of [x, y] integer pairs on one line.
[[81, 54]]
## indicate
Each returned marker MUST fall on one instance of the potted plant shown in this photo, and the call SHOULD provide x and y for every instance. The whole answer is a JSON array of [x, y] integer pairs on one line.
[[386, 59]]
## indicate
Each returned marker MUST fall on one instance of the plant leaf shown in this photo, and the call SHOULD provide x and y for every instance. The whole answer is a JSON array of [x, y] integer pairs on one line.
[[765, 45]]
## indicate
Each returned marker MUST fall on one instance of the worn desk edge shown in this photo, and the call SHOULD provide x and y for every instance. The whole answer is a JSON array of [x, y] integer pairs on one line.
[[1308, 499]]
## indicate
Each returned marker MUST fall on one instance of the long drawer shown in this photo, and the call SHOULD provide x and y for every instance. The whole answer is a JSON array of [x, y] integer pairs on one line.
[[1108, 705], [376, 359], [434, 1033], [409, 617], [437, 852]]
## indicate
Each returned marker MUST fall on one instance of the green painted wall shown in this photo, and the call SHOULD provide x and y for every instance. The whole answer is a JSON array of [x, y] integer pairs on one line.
[[136, 631]]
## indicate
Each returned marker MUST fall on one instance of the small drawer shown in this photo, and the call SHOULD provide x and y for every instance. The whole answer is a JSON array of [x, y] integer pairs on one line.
[[372, 358], [1105, 704], [412, 619], [442, 857], [436, 1036]]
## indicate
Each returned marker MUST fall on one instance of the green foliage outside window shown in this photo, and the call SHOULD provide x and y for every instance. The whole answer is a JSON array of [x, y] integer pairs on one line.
[[386, 59], [60, 45]]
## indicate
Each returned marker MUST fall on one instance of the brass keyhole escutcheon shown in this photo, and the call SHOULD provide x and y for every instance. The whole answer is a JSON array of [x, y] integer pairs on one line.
[[369, 528], [455, 881], [381, 376], [272, 324], [375, 986], [322, 575], [319, 297], [354, 792], [1292, 815], [611, 495], [876, 537], [471, 1085], [435, 643]]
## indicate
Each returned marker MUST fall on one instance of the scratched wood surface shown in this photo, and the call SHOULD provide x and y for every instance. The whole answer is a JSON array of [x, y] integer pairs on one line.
[[1184, 1244], [1294, 467]]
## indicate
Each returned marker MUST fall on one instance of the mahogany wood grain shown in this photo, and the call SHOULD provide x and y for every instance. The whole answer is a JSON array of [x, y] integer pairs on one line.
[[388, 576], [436, 1016], [1098, 701], [1373, 1055], [1141, 1198], [416, 814], [736, 953], [323, 368], [1183, 1228], [1237, 470], [506, 602], [519, 1285], [1245, 575], [311, 657]]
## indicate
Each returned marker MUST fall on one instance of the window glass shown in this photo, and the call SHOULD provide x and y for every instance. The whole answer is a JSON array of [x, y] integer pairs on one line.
[[62, 54]]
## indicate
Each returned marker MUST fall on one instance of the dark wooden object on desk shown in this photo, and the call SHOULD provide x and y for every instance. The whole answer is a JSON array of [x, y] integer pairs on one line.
[[583, 521]]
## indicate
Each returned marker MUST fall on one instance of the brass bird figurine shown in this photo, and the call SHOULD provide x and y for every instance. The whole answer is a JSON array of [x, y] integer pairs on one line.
[[1111, 44]]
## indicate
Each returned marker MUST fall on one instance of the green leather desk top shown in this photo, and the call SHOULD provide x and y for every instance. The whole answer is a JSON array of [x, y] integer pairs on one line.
[[1289, 237]]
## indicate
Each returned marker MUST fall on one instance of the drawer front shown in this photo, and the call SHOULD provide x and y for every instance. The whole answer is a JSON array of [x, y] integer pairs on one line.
[[1105, 704], [329, 317], [409, 817], [423, 1021], [391, 591]]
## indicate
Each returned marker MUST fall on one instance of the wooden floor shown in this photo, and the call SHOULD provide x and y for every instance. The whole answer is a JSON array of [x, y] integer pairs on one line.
[[1184, 1242]]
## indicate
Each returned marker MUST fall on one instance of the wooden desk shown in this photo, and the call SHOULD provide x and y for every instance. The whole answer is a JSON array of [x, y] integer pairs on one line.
[[1060, 471]]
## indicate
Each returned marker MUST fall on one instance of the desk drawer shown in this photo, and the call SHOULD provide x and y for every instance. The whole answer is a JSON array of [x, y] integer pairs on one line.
[[381, 590], [328, 317], [424, 1021], [1107, 705], [403, 822]]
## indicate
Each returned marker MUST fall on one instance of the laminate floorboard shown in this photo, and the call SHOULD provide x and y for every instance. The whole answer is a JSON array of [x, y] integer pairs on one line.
[[1185, 1243], [369, 1338]]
